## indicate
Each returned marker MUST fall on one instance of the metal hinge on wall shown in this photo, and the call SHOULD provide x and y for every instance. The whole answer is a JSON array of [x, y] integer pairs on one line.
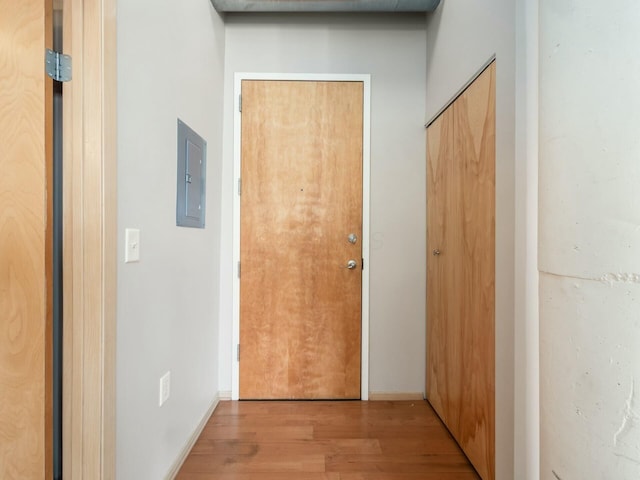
[[238, 352], [239, 186], [58, 66], [238, 269], [240, 103]]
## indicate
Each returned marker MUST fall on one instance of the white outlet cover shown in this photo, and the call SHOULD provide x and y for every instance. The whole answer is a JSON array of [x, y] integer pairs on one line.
[[165, 388], [132, 245]]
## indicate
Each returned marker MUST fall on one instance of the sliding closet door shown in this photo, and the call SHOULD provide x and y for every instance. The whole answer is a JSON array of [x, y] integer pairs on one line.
[[461, 270], [443, 270]]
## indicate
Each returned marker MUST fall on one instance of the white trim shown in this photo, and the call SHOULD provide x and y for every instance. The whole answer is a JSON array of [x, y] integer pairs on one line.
[[191, 441], [396, 396], [366, 233], [366, 193], [526, 329], [224, 395]]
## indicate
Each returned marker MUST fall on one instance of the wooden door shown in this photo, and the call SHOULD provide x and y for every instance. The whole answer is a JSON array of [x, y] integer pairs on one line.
[[25, 241], [300, 307], [461, 270], [443, 229]]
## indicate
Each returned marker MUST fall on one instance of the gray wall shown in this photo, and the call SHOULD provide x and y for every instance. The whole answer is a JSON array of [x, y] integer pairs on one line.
[[170, 64], [175, 306], [462, 35], [391, 49], [590, 239]]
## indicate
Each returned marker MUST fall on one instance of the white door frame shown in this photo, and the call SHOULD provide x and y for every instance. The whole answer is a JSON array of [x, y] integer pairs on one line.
[[366, 186]]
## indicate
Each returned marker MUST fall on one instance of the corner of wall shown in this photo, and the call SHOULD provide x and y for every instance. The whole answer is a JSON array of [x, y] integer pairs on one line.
[[168, 302]]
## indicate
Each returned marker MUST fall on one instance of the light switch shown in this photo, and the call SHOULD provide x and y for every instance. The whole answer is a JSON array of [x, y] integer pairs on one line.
[[132, 245]]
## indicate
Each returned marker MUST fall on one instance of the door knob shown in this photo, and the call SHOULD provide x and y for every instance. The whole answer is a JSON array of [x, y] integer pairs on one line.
[[352, 238], [436, 252], [351, 264]]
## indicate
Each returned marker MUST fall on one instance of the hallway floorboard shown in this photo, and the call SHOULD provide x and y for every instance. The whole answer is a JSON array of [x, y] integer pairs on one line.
[[326, 441]]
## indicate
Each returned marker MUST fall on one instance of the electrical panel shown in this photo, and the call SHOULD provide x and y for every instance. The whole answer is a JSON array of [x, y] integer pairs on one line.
[[191, 188]]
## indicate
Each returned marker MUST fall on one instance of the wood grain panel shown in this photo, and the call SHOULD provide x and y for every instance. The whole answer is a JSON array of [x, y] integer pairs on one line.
[[461, 280], [300, 308], [443, 235], [474, 114], [25, 241]]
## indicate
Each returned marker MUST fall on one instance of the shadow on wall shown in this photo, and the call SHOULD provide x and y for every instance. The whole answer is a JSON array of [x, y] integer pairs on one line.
[[348, 22]]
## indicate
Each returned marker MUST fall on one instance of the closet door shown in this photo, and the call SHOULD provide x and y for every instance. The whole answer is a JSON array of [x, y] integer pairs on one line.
[[26, 125], [443, 270], [461, 270]]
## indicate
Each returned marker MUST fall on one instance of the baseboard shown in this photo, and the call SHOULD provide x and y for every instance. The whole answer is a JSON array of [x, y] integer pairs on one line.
[[192, 440], [224, 395], [387, 396]]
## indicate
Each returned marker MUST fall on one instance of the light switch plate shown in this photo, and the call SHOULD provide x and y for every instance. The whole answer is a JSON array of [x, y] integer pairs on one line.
[[132, 245]]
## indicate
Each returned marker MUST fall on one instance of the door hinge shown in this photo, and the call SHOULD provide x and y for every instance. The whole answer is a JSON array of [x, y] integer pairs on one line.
[[240, 103], [239, 186], [362, 264], [238, 268], [58, 66], [238, 352]]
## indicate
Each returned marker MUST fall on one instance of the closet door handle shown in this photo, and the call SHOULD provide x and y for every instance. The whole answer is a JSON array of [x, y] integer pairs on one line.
[[436, 252]]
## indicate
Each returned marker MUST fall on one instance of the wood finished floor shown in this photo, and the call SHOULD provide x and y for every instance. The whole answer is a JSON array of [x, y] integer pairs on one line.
[[326, 441]]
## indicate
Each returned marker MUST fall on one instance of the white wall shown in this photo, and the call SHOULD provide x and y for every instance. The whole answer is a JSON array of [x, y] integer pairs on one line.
[[392, 50], [526, 329], [590, 239], [462, 35], [170, 64]]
